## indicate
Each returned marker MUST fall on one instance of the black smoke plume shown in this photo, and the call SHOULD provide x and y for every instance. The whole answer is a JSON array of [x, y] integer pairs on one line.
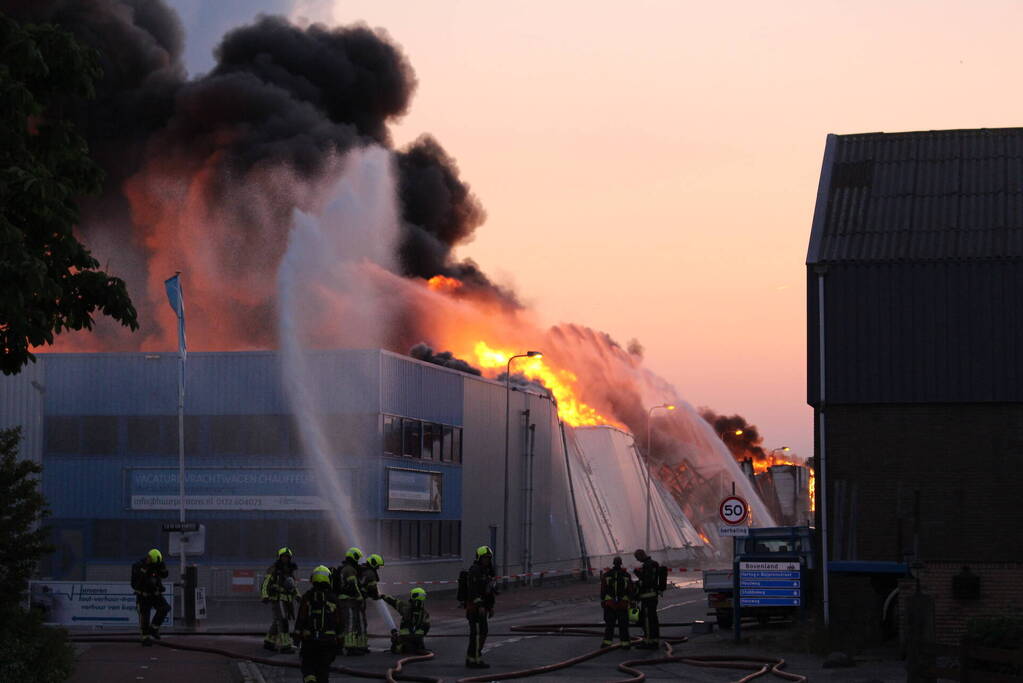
[[745, 445], [423, 351], [279, 97]]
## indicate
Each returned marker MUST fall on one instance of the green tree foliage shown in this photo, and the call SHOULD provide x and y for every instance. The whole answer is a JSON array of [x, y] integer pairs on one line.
[[29, 651], [49, 282], [23, 541]]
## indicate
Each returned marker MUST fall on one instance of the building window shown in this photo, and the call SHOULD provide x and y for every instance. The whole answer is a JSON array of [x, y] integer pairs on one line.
[[99, 435], [63, 434], [445, 448], [456, 444], [428, 438], [413, 539], [412, 430], [422, 440], [392, 435]]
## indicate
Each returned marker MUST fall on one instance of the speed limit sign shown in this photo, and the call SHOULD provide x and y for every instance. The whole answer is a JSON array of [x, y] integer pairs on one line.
[[734, 510]]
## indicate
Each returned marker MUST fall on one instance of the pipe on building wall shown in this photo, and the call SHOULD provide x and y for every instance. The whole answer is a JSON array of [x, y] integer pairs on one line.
[[584, 560], [822, 444]]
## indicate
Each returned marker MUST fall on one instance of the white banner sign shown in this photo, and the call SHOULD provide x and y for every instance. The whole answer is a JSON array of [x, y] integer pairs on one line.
[[223, 502], [733, 530], [80, 603], [769, 566]]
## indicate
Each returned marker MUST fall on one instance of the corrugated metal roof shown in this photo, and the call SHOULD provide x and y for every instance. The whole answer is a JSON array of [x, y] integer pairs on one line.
[[923, 196]]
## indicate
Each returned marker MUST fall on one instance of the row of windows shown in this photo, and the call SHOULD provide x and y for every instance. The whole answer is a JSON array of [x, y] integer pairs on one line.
[[414, 539], [158, 434], [425, 440], [204, 434], [312, 541]]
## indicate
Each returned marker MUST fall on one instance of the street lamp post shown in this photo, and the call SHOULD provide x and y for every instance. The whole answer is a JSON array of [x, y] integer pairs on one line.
[[507, 429], [649, 419]]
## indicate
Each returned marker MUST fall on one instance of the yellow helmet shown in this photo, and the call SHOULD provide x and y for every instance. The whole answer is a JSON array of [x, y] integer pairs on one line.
[[320, 575], [375, 561], [418, 594], [484, 551], [155, 556], [285, 551], [354, 554]]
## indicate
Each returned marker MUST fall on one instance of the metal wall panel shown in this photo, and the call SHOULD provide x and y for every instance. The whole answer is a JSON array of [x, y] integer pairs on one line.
[[944, 332], [555, 542], [413, 388], [21, 405], [236, 383]]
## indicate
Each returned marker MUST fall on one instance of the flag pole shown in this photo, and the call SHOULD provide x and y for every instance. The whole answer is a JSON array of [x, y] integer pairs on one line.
[[177, 302]]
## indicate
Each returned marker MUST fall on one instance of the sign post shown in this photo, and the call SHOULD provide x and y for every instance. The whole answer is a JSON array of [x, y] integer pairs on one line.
[[734, 512]]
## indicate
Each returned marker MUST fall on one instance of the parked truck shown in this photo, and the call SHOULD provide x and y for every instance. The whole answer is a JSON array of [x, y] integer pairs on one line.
[[789, 542]]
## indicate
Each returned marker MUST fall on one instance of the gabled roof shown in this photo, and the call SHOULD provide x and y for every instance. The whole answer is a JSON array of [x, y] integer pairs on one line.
[[916, 197]]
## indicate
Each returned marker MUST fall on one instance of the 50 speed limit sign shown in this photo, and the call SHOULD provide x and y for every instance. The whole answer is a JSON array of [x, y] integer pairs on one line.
[[734, 510]]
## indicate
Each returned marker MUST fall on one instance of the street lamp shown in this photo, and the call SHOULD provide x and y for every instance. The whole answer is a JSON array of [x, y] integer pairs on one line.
[[649, 418], [784, 449], [507, 422]]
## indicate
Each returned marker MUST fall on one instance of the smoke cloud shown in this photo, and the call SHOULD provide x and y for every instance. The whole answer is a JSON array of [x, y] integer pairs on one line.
[[422, 351], [203, 175]]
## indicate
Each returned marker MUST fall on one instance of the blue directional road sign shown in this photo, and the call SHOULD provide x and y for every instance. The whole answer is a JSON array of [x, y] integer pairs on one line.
[[768, 584]]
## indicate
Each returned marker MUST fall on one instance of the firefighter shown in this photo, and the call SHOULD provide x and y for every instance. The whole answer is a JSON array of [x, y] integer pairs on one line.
[[146, 581], [280, 591], [345, 582], [369, 580], [616, 590], [648, 582], [478, 601], [316, 628], [415, 623]]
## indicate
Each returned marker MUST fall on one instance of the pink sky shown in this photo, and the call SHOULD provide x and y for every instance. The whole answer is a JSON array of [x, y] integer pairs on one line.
[[650, 168]]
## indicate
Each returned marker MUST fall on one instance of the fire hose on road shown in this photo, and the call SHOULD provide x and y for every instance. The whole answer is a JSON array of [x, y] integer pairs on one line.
[[759, 666]]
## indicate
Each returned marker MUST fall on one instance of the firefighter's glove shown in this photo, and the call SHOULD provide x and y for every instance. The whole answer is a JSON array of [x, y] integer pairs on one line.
[[266, 601], [490, 612]]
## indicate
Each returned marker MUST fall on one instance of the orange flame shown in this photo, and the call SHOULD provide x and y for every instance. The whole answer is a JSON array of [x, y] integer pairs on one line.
[[442, 283], [560, 382], [704, 536], [761, 465], [813, 491]]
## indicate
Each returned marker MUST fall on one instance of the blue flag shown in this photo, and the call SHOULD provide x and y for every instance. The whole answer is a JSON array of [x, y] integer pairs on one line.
[[177, 302]]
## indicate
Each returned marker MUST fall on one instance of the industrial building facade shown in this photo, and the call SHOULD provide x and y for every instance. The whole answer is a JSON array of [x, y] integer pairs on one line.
[[914, 318], [417, 445]]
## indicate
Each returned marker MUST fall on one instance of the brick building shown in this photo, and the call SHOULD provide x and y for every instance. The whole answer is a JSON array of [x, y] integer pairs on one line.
[[915, 297]]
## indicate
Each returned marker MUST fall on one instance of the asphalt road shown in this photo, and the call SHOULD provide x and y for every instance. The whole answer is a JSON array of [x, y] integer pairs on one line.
[[507, 650]]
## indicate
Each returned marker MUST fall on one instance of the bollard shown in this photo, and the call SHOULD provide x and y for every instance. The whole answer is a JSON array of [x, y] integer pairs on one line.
[[188, 596]]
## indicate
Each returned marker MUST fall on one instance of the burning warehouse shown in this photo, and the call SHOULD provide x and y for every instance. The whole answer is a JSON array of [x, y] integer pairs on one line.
[[272, 184], [415, 450]]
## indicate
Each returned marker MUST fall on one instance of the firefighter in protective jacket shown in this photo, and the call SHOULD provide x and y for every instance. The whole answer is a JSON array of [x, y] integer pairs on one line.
[[348, 589], [616, 590], [477, 596], [649, 580], [147, 581], [280, 591], [415, 623], [316, 628]]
